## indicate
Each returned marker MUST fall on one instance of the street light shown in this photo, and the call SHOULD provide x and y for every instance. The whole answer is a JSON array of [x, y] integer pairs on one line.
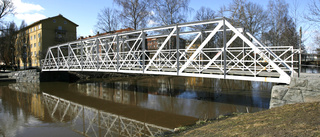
[[24, 56], [12, 59]]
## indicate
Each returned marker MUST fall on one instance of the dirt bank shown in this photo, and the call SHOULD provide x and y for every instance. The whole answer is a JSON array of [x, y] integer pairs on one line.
[[289, 120]]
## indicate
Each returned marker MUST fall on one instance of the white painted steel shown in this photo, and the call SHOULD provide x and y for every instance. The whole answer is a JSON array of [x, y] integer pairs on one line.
[[125, 53]]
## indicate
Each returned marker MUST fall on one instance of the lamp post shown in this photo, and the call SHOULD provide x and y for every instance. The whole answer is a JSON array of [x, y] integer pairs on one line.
[[24, 56], [12, 65]]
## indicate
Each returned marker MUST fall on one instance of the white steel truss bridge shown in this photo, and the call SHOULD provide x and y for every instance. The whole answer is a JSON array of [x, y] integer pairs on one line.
[[211, 49]]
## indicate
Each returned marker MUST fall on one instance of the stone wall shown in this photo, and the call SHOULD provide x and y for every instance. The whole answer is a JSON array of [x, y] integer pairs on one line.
[[32, 88], [31, 76], [305, 88]]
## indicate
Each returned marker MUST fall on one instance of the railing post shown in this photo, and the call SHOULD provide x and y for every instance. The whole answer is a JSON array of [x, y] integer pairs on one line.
[[178, 46], [143, 50], [118, 57], [224, 48]]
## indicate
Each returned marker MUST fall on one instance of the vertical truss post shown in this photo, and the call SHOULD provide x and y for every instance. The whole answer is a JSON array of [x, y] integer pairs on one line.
[[81, 52], [143, 50], [49, 51], [255, 64], [68, 57], [58, 60], [118, 57], [178, 46], [97, 52], [224, 48], [201, 55]]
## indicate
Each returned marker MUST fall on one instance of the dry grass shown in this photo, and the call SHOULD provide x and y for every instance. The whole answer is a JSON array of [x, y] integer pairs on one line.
[[288, 120]]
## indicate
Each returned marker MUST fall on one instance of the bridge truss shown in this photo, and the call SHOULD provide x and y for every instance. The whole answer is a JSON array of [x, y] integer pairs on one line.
[[215, 49]]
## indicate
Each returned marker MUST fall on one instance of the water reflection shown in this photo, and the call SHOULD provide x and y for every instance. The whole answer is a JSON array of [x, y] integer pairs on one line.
[[195, 97], [139, 106], [93, 122], [22, 109], [16, 108], [310, 69]]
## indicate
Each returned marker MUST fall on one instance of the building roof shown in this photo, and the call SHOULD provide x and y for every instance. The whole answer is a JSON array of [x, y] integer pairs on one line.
[[51, 18], [110, 33]]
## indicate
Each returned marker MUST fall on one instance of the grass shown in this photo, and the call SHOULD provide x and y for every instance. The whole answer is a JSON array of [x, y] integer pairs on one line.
[[289, 120]]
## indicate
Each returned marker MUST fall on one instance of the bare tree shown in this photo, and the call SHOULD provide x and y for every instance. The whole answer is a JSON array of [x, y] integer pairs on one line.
[[250, 15], [22, 45], [314, 11], [6, 8], [204, 13], [134, 13], [282, 31], [7, 42], [167, 12], [316, 39], [107, 20]]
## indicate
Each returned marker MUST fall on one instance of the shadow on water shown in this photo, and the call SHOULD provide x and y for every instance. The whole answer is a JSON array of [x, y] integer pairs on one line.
[[113, 106]]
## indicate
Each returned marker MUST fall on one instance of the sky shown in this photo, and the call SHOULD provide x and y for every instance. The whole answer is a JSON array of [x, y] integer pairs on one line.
[[84, 12]]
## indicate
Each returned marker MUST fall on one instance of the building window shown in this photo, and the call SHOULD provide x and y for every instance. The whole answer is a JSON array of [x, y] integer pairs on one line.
[[31, 53], [35, 44], [39, 44], [35, 28], [54, 20], [31, 38], [39, 26], [31, 30], [34, 36], [59, 27], [65, 22], [39, 35], [35, 53]]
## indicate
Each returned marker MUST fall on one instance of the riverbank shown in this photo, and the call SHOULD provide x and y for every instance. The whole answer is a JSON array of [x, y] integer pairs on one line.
[[289, 120]]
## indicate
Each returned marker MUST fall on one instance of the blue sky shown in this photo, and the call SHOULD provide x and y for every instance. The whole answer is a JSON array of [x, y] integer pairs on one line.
[[84, 13]]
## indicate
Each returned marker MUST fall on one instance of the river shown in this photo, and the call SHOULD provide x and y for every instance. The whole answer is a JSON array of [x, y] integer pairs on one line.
[[127, 106]]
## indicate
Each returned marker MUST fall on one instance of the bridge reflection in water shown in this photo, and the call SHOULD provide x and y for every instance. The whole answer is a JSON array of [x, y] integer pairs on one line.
[[82, 119], [195, 97], [92, 122], [138, 106]]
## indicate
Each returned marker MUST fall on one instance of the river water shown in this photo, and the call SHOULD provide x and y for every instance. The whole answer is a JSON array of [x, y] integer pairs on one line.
[[129, 106]]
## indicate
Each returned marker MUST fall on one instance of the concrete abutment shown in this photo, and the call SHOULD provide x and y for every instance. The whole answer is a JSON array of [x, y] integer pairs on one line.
[[303, 89]]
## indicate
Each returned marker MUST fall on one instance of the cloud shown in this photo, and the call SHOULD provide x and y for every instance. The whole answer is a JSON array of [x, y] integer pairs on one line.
[[30, 18], [21, 7], [28, 12], [152, 22]]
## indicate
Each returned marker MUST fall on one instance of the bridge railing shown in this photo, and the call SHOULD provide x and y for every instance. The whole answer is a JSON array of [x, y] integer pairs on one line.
[[220, 51]]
